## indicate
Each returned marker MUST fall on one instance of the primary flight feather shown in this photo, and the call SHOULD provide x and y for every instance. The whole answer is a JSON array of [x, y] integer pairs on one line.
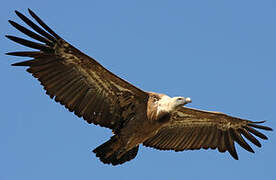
[[136, 117]]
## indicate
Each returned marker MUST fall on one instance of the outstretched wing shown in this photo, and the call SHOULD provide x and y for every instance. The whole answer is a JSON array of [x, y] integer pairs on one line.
[[192, 129], [72, 78]]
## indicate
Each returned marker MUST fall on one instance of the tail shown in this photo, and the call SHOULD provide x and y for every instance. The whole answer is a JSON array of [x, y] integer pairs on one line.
[[111, 152]]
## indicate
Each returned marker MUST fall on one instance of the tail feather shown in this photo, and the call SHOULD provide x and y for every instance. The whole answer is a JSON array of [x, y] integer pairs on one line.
[[110, 153]]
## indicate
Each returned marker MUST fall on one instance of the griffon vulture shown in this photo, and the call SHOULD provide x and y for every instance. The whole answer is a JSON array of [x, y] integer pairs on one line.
[[136, 117]]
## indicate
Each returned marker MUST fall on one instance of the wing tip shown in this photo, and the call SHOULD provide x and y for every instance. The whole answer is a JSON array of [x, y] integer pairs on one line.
[[233, 153], [13, 38], [256, 125], [31, 13], [236, 157], [252, 151], [19, 64], [8, 53], [19, 14], [8, 36], [11, 22]]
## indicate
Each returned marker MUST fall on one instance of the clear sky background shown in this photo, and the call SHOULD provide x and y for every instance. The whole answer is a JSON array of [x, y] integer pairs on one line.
[[220, 53]]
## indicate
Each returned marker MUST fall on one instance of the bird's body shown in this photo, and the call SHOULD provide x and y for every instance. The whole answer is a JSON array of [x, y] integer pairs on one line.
[[144, 125], [136, 117]]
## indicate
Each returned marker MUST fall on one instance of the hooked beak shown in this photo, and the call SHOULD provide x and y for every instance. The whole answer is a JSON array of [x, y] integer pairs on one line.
[[188, 100]]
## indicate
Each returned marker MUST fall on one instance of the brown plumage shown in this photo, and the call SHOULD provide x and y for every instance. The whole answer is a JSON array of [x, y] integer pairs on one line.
[[86, 88]]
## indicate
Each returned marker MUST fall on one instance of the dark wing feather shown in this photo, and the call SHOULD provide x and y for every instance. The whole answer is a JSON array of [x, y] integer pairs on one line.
[[72, 78], [195, 129]]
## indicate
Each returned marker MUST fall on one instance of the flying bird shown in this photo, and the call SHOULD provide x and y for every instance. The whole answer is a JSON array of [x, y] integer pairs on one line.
[[135, 117]]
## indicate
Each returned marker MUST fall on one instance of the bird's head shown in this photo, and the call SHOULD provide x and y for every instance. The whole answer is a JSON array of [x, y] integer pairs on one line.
[[181, 101], [169, 104]]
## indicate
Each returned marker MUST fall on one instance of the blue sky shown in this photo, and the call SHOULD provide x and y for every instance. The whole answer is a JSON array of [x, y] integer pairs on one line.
[[220, 53]]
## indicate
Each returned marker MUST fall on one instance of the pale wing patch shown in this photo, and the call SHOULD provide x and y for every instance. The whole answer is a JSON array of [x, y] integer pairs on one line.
[[120, 88], [214, 112]]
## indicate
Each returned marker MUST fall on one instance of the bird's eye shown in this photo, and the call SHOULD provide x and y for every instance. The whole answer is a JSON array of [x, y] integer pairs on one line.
[[179, 99]]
